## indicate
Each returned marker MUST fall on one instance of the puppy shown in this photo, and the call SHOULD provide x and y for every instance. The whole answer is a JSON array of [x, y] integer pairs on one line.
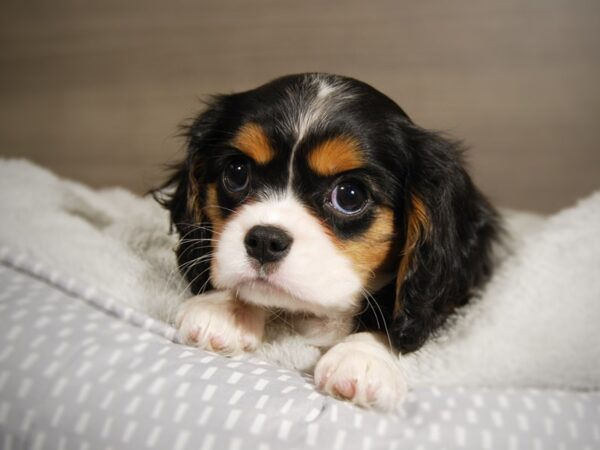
[[316, 196]]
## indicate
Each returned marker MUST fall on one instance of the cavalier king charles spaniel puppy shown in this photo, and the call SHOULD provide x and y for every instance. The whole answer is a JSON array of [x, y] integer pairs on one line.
[[316, 197]]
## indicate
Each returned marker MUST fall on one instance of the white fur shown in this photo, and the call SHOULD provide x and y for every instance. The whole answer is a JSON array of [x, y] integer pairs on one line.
[[535, 325], [325, 88], [313, 277], [316, 102], [217, 322], [362, 369]]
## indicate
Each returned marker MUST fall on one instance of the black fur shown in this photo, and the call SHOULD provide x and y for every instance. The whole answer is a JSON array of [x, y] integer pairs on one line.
[[450, 262], [454, 259], [195, 237]]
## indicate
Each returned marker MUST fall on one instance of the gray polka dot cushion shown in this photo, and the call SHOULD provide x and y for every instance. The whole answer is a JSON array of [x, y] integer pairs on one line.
[[79, 370]]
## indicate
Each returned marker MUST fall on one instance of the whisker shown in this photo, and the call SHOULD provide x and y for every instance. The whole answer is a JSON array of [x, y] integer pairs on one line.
[[191, 248], [195, 245], [185, 241], [191, 264], [201, 259], [387, 333], [208, 279], [196, 227], [369, 305], [219, 207], [194, 280]]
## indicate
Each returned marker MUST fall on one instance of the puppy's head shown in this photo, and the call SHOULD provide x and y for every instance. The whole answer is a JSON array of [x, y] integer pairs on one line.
[[315, 192]]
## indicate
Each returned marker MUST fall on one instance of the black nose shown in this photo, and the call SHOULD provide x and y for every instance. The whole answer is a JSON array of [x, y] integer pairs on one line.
[[267, 243]]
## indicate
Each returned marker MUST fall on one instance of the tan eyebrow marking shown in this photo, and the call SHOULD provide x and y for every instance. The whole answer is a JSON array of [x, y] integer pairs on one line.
[[252, 140], [335, 156]]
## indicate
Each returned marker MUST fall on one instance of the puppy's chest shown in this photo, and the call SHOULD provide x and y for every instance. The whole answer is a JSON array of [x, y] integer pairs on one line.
[[322, 332]]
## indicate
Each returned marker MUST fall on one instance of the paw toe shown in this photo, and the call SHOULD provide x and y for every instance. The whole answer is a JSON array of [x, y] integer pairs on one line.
[[345, 389], [194, 335], [217, 343]]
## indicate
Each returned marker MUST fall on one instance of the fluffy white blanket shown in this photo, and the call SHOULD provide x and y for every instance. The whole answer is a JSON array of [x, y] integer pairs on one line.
[[537, 323]]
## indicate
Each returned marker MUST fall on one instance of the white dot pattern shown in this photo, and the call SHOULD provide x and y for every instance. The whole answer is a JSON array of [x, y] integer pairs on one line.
[[80, 370]]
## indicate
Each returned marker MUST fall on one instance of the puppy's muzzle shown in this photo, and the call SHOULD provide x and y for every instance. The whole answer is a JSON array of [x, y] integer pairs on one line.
[[267, 244]]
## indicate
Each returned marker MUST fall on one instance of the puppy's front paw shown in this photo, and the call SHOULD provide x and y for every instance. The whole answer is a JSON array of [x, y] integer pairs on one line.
[[363, 372], [219, 323]]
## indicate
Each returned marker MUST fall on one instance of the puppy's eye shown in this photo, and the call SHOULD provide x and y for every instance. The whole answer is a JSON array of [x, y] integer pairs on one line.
[[236, 175], [348, 198]]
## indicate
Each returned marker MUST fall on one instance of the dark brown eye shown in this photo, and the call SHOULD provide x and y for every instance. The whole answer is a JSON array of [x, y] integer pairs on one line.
[[348, 198], [236, 175]]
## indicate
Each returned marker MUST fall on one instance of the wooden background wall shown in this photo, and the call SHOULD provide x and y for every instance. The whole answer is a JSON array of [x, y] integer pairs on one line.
[[95, 90]]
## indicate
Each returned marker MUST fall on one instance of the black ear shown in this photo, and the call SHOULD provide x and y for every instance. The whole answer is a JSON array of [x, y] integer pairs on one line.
[[184, 196], [449, 228]]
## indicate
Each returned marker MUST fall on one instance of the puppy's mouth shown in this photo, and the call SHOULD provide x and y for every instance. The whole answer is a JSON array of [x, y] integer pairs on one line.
[[264, 282], [264, 289]]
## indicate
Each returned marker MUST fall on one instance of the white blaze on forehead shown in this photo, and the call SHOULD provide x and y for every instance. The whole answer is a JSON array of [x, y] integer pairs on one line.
[[313, 103], [314, 276], [325, 89], [312, 107]]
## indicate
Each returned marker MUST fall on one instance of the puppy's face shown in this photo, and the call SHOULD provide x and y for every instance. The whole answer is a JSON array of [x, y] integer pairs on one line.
[[302, 227], [314, 191]]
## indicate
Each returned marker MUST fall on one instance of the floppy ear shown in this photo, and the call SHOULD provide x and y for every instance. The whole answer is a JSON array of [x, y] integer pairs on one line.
[[449, 228], [184, 196]]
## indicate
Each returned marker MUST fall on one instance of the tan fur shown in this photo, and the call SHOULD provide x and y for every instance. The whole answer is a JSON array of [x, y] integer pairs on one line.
[[253, 142], [193, 198], [335, 156], [418, 228], [369, 251], [213, 212]]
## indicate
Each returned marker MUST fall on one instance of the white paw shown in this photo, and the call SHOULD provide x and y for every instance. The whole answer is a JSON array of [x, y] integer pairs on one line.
[[216, 322], [365, 373]]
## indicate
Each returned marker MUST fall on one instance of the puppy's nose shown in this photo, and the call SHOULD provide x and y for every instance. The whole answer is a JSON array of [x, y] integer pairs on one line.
[[267, 243]]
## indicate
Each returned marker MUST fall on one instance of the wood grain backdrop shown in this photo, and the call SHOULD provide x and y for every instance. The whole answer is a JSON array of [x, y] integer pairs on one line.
[[95, 90]]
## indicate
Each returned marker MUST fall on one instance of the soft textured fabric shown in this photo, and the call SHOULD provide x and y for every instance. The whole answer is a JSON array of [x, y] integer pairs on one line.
[[80, 370], [535, 324]]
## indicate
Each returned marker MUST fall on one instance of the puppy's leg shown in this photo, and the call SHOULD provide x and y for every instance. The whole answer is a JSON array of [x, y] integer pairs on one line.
[[362, 369], [218, 322]]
